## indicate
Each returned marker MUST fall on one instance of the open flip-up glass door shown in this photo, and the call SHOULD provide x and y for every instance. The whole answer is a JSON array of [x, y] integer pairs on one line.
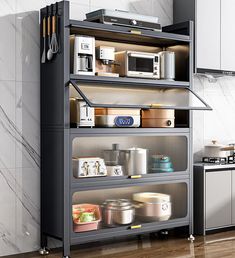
[[128, 96]]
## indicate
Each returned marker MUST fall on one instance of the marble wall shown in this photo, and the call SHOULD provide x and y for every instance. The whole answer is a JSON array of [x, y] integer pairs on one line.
[[20, 111], [218, 124]]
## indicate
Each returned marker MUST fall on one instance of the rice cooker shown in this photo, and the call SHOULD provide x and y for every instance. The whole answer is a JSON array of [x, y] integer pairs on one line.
[[152, 206]]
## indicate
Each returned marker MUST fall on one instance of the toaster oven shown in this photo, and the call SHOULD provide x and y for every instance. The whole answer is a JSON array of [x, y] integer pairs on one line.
[[137, 64]]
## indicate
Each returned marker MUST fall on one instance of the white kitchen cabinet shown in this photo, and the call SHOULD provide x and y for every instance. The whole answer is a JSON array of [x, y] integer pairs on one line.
[[214, 197], [233, 197], [227, 35], [218, 199], [208, 34], [214, 31]]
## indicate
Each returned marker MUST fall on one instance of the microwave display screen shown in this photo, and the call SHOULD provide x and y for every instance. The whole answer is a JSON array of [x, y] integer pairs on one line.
[[139, 64]]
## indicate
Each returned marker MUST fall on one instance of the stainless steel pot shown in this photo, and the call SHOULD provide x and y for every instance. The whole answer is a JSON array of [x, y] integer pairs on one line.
[[232, 146], [134, 161], [118, 212]]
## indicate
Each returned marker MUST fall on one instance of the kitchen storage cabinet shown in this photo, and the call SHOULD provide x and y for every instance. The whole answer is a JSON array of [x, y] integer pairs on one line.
[[233, 197], [214, 21], [218, 209], [227, 37], [60, 143], [214, 188]]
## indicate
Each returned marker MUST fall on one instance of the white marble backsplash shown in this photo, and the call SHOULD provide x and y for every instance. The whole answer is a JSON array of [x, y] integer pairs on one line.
[[218, 124], [20, 111]]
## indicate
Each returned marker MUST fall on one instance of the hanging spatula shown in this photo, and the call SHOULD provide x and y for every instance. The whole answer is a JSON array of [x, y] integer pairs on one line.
[[43, 59]]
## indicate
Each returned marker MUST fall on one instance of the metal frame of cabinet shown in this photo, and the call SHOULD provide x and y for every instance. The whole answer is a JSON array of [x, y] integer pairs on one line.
[[214, 188], [57, 183]]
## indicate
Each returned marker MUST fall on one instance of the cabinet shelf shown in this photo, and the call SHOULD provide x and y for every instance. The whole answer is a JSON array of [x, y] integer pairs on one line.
[[127, 34], [76, 132], [83, 184], [129, 81], [125, 230]]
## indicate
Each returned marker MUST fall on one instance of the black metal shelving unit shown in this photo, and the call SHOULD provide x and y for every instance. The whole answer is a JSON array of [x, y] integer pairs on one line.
[[57, 182]]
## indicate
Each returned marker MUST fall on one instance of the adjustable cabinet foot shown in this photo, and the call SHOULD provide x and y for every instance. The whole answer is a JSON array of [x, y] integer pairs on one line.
[[163, 234], [43, 251], [191, 238]]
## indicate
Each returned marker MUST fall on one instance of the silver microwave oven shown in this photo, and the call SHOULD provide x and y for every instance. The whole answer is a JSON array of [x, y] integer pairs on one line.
[[137, 64]]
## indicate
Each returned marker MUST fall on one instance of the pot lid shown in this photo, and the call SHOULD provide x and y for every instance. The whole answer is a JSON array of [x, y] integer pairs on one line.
[[137, 149], [118, 204], [160, 157], [214, 144], [149, 197]]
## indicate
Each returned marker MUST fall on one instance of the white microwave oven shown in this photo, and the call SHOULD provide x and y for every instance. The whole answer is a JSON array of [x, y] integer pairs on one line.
[[137, 64]]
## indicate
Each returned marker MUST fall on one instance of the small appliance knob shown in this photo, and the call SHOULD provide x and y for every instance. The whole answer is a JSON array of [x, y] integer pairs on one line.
[[133, 22], [168, 122]]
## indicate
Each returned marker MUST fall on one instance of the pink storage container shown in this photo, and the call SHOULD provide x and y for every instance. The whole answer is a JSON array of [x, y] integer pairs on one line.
[[87, 226]]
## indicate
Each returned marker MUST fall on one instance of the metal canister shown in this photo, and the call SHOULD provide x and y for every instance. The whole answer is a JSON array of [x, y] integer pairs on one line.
[[167, 65], [134, 161]]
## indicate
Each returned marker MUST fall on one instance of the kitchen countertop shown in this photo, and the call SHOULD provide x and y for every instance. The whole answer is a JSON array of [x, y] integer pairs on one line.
[[214, 166]]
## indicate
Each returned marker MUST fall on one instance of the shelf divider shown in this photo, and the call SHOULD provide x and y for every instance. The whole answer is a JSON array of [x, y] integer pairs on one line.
[[84, 184], [76, 132]]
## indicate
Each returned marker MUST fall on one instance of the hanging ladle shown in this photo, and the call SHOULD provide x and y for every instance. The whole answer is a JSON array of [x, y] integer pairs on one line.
[[49, 52]]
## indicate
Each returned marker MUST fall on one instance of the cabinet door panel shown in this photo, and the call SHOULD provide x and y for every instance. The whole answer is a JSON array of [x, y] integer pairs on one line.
[[227, 35], [218, 199], [233, 197], [208, 34]]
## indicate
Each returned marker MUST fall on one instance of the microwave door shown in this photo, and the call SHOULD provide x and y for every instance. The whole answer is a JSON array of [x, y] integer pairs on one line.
[[141, 64]]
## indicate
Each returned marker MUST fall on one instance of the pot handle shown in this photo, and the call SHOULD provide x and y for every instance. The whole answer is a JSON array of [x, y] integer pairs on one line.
[[138, 205]]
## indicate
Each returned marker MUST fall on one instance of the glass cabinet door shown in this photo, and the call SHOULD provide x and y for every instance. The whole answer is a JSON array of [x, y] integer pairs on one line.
[[129, 156], [129, 207], [126, 96]]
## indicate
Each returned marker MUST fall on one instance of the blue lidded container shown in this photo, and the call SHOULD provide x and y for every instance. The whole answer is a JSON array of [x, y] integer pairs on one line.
[[161, 164]]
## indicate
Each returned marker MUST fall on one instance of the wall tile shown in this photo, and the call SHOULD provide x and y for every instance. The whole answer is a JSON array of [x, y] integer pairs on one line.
[[32, 5], [217, 124], [27, 46], [78, 11], [7, 42], [7, 7], [7, 124], [28, 209], [112, 5], [163, 9], [81, 2], [8, 212], [7, 47], [28, 124]]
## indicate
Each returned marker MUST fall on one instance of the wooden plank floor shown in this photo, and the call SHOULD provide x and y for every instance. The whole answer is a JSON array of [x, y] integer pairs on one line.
[[220, 245]]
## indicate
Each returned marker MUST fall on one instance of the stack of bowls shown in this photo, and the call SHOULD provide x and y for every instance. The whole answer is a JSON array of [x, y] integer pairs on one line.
[[161, 164]]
